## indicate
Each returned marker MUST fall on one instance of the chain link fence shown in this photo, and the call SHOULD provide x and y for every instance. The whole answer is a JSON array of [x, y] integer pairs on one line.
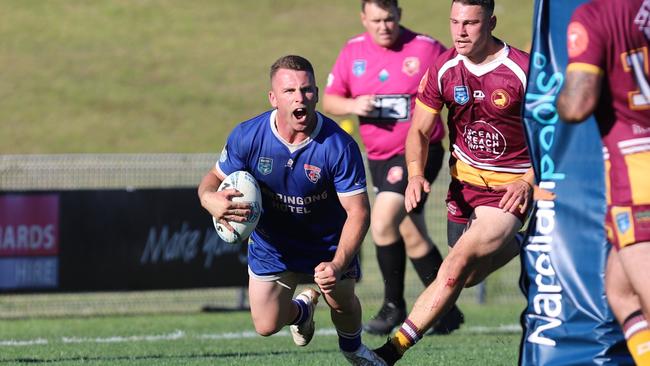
[[126, 171]]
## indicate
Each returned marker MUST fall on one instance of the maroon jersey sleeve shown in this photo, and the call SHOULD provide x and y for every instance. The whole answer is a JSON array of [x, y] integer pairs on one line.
[[618, 49], [585, 43], [429, 95]]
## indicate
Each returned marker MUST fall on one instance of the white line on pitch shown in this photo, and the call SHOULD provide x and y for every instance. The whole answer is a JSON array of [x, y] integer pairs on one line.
[[179, 334], [18, 343]]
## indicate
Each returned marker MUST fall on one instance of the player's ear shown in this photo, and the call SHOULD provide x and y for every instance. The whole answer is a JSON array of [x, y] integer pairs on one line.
[[316, 95], [272, 99], [493, 22], [399, 14]]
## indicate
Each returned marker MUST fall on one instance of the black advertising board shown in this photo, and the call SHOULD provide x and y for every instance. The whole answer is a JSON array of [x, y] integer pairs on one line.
[[106, 240]]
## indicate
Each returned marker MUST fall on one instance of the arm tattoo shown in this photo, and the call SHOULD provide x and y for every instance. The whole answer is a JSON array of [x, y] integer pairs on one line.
[[579, 96]]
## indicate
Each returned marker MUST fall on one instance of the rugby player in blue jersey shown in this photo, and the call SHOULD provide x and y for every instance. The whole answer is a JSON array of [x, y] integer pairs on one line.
[[315, 211]]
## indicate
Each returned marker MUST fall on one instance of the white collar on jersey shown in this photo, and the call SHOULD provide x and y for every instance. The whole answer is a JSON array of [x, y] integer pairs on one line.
[[482, 69], [305, 142]]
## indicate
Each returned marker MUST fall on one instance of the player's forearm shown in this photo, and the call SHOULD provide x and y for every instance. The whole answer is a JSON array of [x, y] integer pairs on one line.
[[416, 152], [337, 105], [579, 96], [209, 183], [353, 233], [417, 141]]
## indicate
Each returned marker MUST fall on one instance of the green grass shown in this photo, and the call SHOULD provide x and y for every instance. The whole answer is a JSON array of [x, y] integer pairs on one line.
[[123, 76], [169, 75], [199, 339]]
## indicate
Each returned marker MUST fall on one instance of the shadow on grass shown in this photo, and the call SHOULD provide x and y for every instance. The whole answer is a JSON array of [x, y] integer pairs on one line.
[[209, 355]]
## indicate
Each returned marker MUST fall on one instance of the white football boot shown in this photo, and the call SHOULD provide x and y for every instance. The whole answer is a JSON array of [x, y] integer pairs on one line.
[[364, 356], [303, 333]]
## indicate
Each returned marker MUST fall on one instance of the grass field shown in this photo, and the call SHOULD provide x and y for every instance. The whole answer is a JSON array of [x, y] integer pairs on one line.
[[170, 75], [123, 76], [490, 337]]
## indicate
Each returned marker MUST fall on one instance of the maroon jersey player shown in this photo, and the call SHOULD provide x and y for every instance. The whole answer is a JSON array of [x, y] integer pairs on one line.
[[608, 76], [481, 81]]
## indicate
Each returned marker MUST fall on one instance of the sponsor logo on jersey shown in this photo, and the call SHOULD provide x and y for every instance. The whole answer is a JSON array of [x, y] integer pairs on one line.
[[224, 154], [395, 174], [312, 172], [383, 75], [478, 95], [500, 98], [642, 217], [411, 66], [623, 222], [461, 94], [640, 130], [265, 165], [359, 67], [484, 141], [577, 39]]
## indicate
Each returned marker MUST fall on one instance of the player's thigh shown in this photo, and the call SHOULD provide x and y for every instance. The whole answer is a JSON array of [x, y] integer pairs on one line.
[[488, 231], [343, 298], [635, 259], [270, 299], [620, 294], [493, 262]]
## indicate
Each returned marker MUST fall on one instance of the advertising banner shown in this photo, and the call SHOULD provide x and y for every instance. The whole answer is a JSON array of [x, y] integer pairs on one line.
[[100, 240], [567, 320]]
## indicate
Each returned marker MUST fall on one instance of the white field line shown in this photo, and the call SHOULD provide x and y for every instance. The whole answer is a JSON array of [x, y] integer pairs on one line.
[[179, 334]]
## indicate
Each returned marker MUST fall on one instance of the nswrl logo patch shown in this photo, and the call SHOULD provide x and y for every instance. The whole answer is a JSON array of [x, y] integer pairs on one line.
[[623, 222], [265, 165], [461, 94], [359, 67]]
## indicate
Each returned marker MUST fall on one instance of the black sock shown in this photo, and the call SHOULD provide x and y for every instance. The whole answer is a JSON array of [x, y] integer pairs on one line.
[[392, 264], [428, 265]]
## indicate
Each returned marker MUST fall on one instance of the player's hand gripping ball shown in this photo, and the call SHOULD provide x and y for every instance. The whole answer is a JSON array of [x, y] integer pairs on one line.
[[245, 183]]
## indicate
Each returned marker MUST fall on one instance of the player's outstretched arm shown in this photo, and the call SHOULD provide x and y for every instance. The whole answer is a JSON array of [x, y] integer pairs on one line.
[[357, 207], [220, 204], [417, 147]]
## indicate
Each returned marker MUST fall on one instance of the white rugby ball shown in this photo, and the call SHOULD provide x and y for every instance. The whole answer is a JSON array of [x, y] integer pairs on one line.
[[245, 183]]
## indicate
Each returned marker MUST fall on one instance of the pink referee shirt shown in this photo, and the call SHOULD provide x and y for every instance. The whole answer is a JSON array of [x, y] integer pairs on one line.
[[392, 75]]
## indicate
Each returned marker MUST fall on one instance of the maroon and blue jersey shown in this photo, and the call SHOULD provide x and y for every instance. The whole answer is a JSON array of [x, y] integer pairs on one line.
[[302, 216]]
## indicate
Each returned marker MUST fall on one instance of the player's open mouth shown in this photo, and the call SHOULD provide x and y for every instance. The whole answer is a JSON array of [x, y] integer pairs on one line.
[[300, 113]]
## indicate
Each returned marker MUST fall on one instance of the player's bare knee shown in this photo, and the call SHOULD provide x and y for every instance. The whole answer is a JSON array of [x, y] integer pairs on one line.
[[344, 306], [265, 330], [381, 228], [414, 241], [265, 327]]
